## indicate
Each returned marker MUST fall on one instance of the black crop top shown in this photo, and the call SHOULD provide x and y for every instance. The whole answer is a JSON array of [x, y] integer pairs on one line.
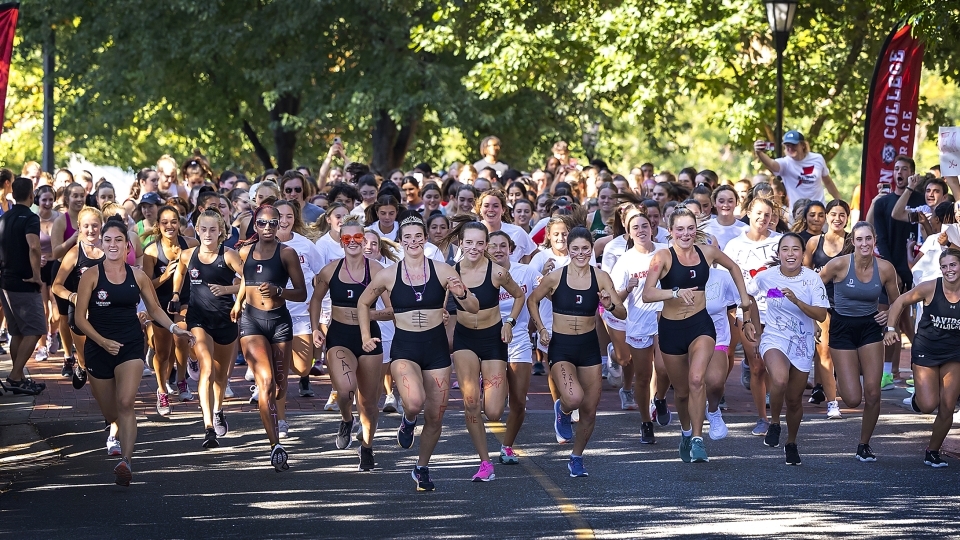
[[405, 297], [487, 293], [270, 271], [165, 290], [576, 302], [343, 294], [686, 277]]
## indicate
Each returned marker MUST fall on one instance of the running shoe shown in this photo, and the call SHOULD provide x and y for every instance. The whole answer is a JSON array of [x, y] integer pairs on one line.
[[646, 433], [124, 473], [909, 382], [405, 432], [791, 453], [147, 372], [421, 475], [184, 388], [113, 446], [772, 438], [698, 452], [604, 371], [686, 444], [172, 388], [576, 468], [79, 376], [344, 438], [817, 396], [745, 374], [561, 425], [305, 390], [723, 403], [193, 369], [53, 340], [538, 369], [761, 428], [163, 403], [240, 360], [508, 456], [833, 410], [485, 473], [317, 369], [718, 428], [210, 438], [366, 458], [627, 403], [283, 429], [228, 392], [41, 354], [254, 394], [22, 387], [575, 416], [67, 369], [865, 453], [886, 382], [932, 458], [249, 376], [220, 423], [390, 403], [661, 412], [615, 374], [278, 458], [332, 402]]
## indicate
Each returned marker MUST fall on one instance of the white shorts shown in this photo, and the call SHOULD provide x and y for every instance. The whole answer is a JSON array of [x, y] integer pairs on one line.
[[325, 317], [520, 351], [613, 322], [386, 350], [799, 359], [302, 326], [640, 342]]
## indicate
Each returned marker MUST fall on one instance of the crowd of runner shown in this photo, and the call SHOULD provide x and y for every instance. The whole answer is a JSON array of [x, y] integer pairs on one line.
[[391, 281]]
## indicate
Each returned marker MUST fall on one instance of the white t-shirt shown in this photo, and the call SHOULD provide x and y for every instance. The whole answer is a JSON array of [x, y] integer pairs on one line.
[[312, 263], [641, 316], [612, 252], [928, 265], [752, 258], [391, 235], [527, 278], [662, 235], [329, 250], [359, 211], [788, 329], [546, 306], [525, 245], [721, 293], [803, 179], [387, 328], [725, 233]]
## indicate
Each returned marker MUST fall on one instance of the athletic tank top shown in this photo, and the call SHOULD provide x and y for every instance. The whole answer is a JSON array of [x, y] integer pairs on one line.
[[202, 275], [83, 263], [854, 298], [598, 227], [270, 270], [937, 330], [487, 293], [68, 230], [112, 310], [820, 257], [686, 277], [165, 291], [46, 247], [344, 294], [576, 302], [405, 297]]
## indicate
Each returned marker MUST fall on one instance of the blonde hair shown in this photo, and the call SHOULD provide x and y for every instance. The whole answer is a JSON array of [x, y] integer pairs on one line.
[[87, 211], [215, 214], [272, 186], [683, 211], [388, 248]]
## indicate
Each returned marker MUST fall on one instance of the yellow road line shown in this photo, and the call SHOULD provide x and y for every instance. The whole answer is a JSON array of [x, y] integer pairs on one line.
[[581, 529]]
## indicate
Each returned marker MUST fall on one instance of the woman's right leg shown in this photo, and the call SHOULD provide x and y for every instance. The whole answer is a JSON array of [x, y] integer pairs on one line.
[[678, 370], [368, 395], [564, 376], [642, 362], [163, 355], [778, 369], [224, 357], [258, 353], [468, 375], [824, 363], [342, 367], [847, 365], [204, 351], [437, 395], [949, 391]]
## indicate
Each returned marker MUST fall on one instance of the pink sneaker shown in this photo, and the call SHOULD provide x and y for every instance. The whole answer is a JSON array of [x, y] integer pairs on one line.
[[485, 474]]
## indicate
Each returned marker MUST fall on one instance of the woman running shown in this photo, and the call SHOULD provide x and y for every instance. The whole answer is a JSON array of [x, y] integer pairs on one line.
[[491, 206], [330, 249], [354, 372], [936, 364], [811, 221], [480, 340], [385, 252], [106, 313], [795, 298], [819, 251], [640, 333], [552, 256], [856, 327], [601, 218], [573, 346], [420, 359], [722, 299], [688, 336], [523, 214], [45, 198], [266, 329], [211, 271], [64, 236]]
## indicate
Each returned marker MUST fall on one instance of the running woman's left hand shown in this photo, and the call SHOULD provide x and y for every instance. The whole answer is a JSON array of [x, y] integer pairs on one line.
[[881, 318], [218, 290], [184, 334], [268, 290], [318, 338], [605, 300], [788, 294], [750, 332], [370, 344], [456, 286], [506, 333]]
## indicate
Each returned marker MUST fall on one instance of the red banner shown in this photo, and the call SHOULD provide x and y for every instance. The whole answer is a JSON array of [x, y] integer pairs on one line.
[[8, 25], [891, 111]]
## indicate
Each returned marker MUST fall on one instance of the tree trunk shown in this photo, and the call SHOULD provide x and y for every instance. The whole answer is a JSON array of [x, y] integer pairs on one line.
[[284, 139], [391, 142], [262, 154]]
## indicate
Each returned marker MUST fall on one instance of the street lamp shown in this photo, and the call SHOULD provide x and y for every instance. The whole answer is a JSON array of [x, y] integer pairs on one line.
[[780, 16]]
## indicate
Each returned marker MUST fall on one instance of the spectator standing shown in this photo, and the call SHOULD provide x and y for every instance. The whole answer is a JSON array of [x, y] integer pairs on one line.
[[490, 150], [804, 173]]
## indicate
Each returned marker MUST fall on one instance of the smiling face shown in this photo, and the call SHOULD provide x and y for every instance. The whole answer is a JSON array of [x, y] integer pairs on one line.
[[352, 240], [639, 228], [837, 219], [607, 199], [335, 217], [474, 244], [522, 214], [557, 234], [76, 199], [46, 200], [726, 203], [412, 238], [760, 216], [499, 249], [465, 201], [371, 245], [684, 231], [412, 193], [513, 195], [654, 214], [790, 253], [114, 244], [208, 231], [105, 195], [863, 241], [431, 200], [287, 218], [90, 228], [169, 222], [368, 194], [950, 268], [491, 210], [580, 252]]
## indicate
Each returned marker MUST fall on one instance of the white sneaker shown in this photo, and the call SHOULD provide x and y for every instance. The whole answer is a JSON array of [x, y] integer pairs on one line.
[[113, 446], [627, 403], [249, 377], [184, 388], [193, 368], [400, 406], [41, 354], [283, 429], [575, 416], [332, 402], [833, 410], [172, 389], [228, 393], [147, 372], [254, 395], [718, 428], [614, 370], [390, 404]]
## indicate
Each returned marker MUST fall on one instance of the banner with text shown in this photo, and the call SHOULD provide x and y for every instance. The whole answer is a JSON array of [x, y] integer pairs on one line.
[[8, 24]]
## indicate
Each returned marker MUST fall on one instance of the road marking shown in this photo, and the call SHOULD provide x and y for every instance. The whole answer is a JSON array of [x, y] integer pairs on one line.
[[581, 529]]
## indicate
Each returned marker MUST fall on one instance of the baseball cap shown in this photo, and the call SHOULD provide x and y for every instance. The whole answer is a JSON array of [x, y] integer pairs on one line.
[[793, 137], [151, 198]]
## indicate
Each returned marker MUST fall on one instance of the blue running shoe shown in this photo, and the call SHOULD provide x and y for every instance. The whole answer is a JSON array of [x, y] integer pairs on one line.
[[405, 433], [686, 444], [562, 425], [576, 467], [698, 453]]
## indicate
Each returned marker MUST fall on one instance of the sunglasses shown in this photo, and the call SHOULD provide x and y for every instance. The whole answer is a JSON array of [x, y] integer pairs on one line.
[[293, 190], [263, 223], [347, 239]]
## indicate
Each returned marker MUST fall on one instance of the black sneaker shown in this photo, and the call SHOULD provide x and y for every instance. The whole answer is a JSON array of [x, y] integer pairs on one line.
[[817, 396], [663, 413], [305, 390], [793, 455], [405, 433], [538, 368], [772, 438], [67, 369], [210, 439], [865, 453], [366, 458], [933, 459], [220, 425], [343, 435], [646, 433], [421, 475], [79, 376]]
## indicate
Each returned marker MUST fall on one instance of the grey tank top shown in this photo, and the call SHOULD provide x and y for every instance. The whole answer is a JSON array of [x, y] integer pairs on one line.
[[854, 298]]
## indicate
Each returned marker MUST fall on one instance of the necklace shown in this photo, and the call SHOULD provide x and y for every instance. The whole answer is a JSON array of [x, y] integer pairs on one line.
[[417, 295], [346, 264]]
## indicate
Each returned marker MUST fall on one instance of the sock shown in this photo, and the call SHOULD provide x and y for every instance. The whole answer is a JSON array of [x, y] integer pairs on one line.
[[887, 367], [695, 438], [687, 432]]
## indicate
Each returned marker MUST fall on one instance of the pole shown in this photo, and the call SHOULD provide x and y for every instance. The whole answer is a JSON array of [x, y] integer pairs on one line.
[[48, 105], [778, 143]]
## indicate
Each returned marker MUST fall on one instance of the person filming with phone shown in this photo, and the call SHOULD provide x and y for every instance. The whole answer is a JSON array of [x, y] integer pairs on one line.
[[804, 173]]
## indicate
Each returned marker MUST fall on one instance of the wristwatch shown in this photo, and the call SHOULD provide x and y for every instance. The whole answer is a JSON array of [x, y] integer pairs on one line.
[[511, 321], [890, 329], [676, 292]]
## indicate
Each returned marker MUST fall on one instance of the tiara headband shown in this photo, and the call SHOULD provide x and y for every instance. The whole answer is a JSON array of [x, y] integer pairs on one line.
[[412, 220]]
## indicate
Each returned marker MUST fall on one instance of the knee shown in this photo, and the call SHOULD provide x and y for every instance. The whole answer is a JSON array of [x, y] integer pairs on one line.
[[125, 405], [779, 380], [757, 369], [571, 402], [871, 396], [471, 404], [493, 412], [696, 382], [413, 404], [794, 402]]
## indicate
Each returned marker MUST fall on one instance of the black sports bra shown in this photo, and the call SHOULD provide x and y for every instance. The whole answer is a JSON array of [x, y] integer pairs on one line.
[[405, 297], [686, 277], [486, 292], [272, 270], [576, 302], [343, 294]]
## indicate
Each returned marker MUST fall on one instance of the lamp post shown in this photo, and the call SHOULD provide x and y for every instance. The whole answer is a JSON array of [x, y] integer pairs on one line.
[[780, 16]]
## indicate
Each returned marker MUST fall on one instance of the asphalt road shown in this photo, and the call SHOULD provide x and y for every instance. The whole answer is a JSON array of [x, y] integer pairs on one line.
[[183, 491]]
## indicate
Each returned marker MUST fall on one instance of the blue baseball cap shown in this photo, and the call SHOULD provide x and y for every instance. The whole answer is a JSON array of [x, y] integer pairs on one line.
[[793, 137]]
